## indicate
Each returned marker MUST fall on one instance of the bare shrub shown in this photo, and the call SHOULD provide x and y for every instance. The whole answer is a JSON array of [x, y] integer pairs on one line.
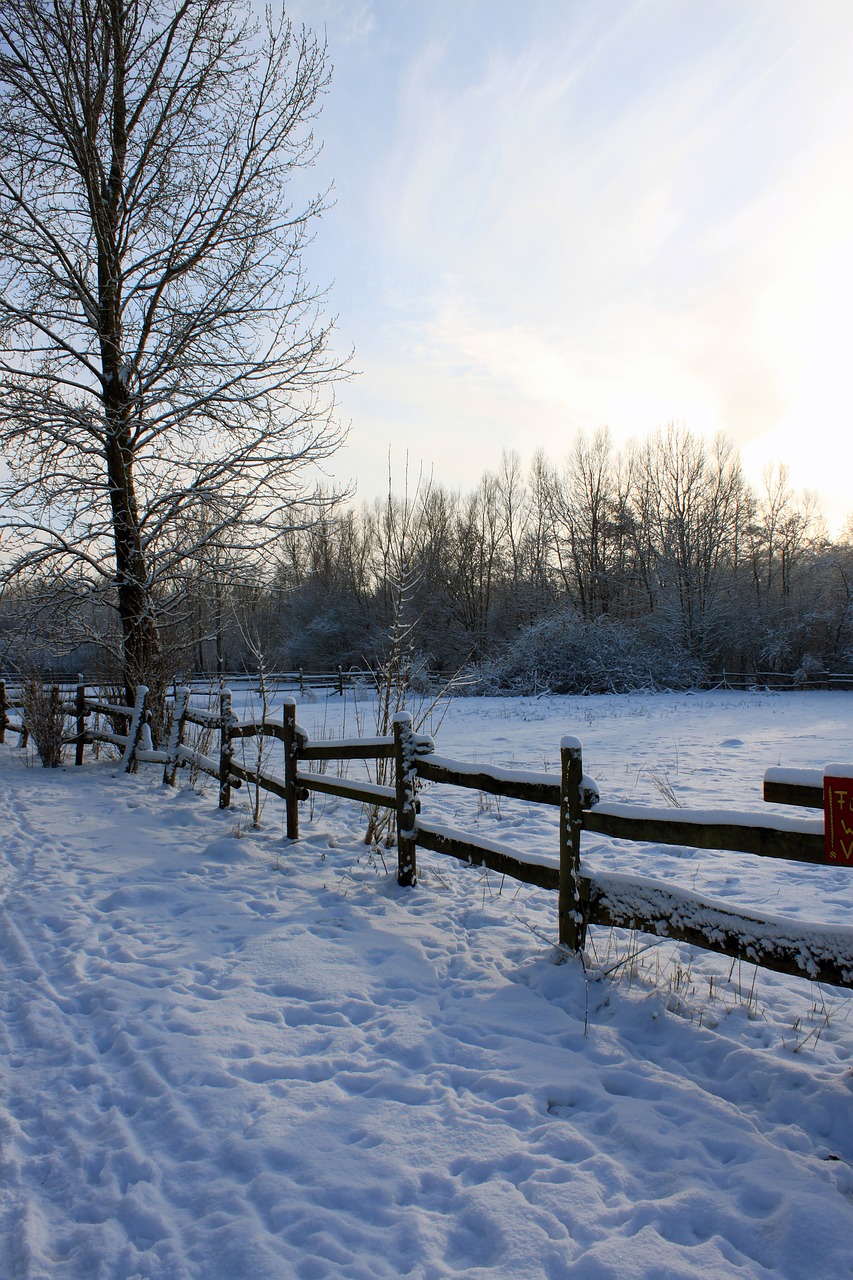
[[43, 717]]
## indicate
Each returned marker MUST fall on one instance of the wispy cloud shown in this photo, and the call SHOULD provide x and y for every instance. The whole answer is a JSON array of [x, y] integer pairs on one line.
[[566, 215]]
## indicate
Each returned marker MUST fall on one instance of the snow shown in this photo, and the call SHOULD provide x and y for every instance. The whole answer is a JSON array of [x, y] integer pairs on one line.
[[704, 817], [795, 777], [369, 790], [839, 771], [653, 901], [496, 773], [223, 1055]]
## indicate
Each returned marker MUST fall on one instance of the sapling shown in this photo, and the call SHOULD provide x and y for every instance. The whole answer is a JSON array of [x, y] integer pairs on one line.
[[43, 716]]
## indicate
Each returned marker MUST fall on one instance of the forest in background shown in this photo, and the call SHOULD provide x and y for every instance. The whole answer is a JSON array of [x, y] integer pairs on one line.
[[167, 397], [654, 566]]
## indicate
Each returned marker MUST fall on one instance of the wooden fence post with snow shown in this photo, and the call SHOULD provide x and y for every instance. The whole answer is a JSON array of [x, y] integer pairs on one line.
[[80, 711], [4, 707], [137, 722], [226, 724], [572, 923], [404, 783], [291, 764], [176, 737]]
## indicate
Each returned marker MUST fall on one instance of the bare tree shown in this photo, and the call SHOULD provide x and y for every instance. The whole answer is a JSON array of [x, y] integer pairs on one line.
[[163, 356], [478, 535], [540, 536], [592, 526], [784, 530], [691, 502]]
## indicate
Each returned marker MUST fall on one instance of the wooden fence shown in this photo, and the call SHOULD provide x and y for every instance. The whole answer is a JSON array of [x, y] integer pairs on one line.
[[778, 681], [336, 680], [819, 952]]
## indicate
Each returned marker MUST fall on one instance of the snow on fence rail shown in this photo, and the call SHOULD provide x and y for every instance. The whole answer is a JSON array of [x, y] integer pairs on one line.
[[819, 952], [779, 680], [337, 680], [199, 682]]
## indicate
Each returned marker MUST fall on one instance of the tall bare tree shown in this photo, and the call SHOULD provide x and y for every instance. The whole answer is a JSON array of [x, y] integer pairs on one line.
[[690, 507], [163, 355]]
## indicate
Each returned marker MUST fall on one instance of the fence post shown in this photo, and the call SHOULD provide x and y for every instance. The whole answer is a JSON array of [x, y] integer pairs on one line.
[[226, 721], [572, 925], [340, 680], [135, 731], [4, 706], [404, 782], [57, 723], [80, 709], [291, 764], [176, 737]]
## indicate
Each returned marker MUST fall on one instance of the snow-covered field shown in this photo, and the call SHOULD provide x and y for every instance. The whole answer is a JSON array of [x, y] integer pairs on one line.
[[225, 1056]]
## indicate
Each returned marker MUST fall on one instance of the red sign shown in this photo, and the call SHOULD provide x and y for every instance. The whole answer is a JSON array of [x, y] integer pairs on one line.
[[838, 819]]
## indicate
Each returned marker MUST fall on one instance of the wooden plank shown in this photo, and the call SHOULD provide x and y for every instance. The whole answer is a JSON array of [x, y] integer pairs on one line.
[[109, 708], [363, 792], [824, 956], [494, 781], [477, 855], [349, 749], [204, 764], [266, 728], [104, 735], [794, 786], [798, 846], [267, 783], [793, 793], [207, 719]]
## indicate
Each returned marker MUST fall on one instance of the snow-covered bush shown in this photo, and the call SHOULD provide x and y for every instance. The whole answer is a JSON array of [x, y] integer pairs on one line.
[[564, 653]]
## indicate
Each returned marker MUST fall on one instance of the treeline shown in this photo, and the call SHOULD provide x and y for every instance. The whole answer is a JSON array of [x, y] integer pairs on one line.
[[657, 565]]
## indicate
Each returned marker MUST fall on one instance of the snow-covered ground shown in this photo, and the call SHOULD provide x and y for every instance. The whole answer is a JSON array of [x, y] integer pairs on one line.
[[225, 1056]]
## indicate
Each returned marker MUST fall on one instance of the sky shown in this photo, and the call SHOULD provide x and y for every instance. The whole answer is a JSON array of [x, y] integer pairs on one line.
[[561, 215]]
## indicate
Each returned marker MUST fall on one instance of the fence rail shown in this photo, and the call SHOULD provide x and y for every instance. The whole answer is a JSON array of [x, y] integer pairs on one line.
[[336, 680], [817, 952], [799, 839], [339, 679], [778, 680], [509, 783], [802, 787]]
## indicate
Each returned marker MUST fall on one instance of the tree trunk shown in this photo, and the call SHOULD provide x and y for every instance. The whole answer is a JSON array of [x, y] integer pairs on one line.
[[140, 638], [141, 645]]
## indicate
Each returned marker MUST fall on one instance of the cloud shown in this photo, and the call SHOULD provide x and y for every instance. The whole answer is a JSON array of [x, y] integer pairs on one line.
[[622, 214]]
